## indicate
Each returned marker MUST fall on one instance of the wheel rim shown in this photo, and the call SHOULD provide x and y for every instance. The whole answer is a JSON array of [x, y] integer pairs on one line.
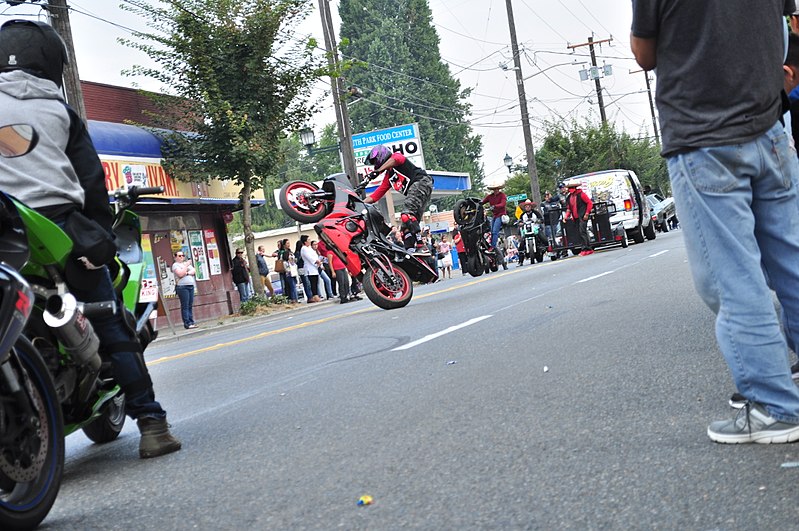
[[297, 195], [390, 286], [27, 466], [116, 410]]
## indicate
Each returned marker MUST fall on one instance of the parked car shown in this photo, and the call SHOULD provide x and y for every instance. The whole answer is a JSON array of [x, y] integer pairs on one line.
[[664, 213]]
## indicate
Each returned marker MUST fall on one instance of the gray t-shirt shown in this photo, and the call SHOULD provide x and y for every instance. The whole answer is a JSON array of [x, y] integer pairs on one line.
[[719, 68]]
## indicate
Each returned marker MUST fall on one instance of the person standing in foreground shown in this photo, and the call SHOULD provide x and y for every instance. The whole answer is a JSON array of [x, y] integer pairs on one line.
[[734, 179], [61, 178], [186, 283]]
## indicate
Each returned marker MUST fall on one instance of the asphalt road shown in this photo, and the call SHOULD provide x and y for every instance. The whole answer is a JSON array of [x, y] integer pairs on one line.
[[565, 395]]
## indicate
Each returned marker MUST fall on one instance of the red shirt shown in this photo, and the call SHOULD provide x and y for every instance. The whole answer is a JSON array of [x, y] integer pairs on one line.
[[498, 202], [459, 245], [574, 203]]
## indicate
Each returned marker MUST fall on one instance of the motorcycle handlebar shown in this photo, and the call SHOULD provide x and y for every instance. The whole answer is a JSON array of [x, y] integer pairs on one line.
[[98, 309]]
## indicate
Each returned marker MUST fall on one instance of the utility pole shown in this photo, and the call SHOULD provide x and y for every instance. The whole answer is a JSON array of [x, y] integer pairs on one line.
[[652, 108], [337, 88], [535, 191], [59, 19], [595, 72]]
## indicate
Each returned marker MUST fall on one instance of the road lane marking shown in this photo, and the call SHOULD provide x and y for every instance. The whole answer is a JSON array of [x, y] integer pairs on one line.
[[257, 336], [595, 277], [431, 337], [658, 254]]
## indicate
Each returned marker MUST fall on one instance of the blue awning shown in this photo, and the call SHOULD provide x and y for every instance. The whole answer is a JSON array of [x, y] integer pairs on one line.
[[122, 140]]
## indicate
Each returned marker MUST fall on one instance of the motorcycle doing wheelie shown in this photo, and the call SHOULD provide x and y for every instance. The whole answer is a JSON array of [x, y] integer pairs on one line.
[[58, 359], [481, 256], [358, 234]]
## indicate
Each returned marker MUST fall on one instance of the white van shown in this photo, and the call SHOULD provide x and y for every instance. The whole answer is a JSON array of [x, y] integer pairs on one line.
[[623, 189]]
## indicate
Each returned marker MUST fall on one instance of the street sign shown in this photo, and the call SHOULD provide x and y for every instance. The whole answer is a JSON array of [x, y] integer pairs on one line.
[[519, 197]]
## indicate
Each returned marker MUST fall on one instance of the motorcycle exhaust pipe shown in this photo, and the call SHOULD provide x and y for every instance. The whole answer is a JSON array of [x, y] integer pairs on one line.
[[73, 330]]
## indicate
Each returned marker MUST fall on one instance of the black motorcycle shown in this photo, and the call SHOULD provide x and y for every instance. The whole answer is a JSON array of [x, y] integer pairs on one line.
[[481, 257]]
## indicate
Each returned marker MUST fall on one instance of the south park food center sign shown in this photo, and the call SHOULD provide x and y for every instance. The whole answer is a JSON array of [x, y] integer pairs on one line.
[[405, 139]]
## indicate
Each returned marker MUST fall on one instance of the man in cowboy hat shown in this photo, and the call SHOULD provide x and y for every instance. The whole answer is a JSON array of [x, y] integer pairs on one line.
[[498, 201], [578, 208]]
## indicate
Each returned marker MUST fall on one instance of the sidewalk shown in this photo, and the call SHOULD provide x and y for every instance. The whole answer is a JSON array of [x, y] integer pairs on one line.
[[178, 332]]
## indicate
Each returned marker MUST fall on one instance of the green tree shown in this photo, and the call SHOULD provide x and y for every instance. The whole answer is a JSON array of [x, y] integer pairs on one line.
[[245, 80], [404, 80]]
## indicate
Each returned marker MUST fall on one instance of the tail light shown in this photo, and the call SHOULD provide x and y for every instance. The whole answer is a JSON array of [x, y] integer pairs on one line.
[[628, 204]]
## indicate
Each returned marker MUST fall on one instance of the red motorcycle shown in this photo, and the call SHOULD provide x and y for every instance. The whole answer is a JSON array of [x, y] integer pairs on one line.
[[358, 233]]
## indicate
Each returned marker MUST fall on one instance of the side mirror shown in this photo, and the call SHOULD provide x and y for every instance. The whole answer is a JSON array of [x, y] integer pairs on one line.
[[17, 140]]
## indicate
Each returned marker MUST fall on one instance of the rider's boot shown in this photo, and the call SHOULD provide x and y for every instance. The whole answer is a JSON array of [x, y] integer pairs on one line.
[[156, 439]]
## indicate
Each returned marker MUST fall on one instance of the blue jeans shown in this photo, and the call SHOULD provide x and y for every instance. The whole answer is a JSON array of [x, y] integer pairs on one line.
[[186, 296], [739, 209], [244, 291], [289, 287], [328, 284], [306, 286], [496, 226], [130, 371]]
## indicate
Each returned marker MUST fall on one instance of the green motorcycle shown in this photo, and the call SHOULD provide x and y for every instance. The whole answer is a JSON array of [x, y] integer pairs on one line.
[[53, 380]]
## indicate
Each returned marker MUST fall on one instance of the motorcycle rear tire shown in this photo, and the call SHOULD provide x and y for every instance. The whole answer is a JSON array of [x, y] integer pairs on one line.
[[296, 210], [107, 426], [475, 266], [384, 296], [26, 500]]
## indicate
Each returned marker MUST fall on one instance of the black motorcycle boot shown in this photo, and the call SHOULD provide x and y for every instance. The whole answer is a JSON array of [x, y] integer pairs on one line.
[[156, 439]]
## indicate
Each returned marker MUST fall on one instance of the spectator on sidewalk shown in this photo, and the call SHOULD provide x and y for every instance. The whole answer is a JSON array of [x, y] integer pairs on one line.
[[241, 276], [301, 272], [324, 254], [263, 270], [326, 284], [311, 263], [186, 283], [283, 253]]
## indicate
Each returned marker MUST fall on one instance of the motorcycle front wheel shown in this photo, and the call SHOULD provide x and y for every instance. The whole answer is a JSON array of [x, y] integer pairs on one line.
[[32, 463], [388, 291], [296, 201]]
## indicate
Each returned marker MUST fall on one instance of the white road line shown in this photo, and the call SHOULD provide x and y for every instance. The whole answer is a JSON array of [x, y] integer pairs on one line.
[[595, 277], [425, 339], [658, 254]]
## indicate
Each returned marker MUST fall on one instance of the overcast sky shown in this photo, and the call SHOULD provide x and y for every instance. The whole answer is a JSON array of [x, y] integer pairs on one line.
[[475, 42]]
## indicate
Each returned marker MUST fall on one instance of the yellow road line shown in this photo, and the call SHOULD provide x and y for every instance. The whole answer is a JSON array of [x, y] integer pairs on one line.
[[311, 323]]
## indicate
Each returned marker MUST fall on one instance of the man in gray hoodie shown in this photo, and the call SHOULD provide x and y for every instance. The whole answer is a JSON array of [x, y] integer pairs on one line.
[[62, 175]]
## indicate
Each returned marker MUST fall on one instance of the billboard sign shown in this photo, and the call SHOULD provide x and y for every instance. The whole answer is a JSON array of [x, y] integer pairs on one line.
[[404, 139]]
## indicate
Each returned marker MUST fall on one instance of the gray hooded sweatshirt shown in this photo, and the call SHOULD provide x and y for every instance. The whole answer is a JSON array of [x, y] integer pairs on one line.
[[63, 170]]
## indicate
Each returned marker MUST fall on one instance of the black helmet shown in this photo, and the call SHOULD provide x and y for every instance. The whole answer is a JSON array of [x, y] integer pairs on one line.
[[34, 47]]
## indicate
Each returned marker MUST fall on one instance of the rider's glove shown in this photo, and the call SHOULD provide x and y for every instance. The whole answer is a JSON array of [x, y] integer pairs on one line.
[[373, 175]]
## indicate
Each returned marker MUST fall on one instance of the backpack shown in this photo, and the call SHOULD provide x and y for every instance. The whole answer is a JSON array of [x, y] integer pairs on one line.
[[300, 261]]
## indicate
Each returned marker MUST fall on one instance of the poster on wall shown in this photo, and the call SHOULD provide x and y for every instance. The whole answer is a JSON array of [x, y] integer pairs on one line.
[[167, 278], [198, 255], [149, 282], [135, 174], [213, 252]]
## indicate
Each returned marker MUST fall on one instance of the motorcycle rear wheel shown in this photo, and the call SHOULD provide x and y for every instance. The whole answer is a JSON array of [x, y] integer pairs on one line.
[[29, 489], [294, 201], [107, 426], [386, 292], [476, 265]]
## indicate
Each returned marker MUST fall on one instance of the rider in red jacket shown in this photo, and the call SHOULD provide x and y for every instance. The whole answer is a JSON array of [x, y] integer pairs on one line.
[[578, 208], [413, 182]]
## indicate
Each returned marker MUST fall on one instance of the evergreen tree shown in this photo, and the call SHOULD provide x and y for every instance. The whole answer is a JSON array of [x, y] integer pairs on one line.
[[404, 81]]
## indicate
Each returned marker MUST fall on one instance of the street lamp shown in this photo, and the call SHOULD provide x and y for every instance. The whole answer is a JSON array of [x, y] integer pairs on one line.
[[508, 162], [308, 139]]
